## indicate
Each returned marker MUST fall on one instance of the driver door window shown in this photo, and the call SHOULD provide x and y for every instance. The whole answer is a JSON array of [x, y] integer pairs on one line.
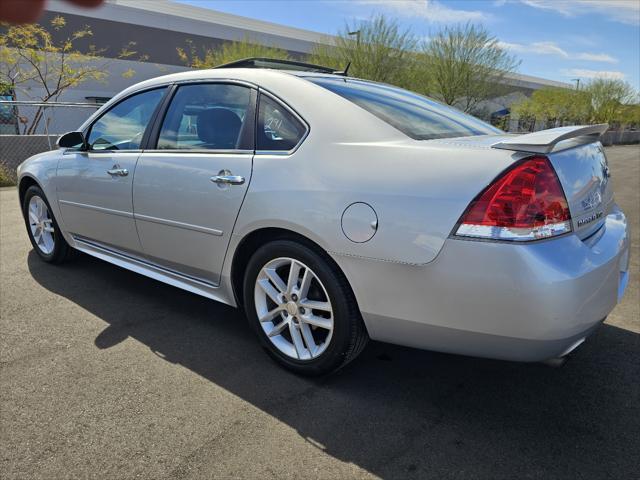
[[123, 127]]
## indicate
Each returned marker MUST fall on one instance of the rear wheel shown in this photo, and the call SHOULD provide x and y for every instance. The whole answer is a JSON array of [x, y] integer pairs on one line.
[[302, 308], [42, 228]]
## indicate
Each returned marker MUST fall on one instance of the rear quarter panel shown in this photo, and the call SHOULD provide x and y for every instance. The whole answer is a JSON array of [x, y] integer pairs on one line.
[[418, 191]]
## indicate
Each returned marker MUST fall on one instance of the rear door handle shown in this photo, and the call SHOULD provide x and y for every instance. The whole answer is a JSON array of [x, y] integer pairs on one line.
[[228, 179], [118, 172]]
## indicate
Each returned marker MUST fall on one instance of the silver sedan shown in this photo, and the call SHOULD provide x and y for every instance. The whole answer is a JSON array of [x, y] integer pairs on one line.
[[334, 210]]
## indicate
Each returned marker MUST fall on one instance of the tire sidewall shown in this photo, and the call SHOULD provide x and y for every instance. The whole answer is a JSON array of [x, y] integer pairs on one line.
[[338, 346], [58, 241]]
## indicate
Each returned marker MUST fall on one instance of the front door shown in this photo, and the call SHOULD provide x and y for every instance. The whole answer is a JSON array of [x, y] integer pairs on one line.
[[189, 189], [95, 185]]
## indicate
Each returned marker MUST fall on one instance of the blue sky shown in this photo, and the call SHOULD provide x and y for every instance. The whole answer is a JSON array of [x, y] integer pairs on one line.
[[556, 39]]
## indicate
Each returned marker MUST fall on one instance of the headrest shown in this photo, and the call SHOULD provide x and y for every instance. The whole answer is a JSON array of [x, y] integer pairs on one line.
[[219, 127]]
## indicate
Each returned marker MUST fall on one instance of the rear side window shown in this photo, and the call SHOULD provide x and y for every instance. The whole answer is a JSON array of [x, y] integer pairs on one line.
[[206, 116], [414, 115], [278, 128]]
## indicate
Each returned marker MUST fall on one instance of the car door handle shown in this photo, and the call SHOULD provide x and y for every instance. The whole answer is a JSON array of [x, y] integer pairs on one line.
[[228, 179], [118, 172]]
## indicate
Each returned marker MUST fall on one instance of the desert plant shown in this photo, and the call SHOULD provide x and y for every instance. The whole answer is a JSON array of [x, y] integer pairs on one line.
[[227, 52], [29, 54], [556, 106], [5, 179], [608, 96], [463, 65], [376, 49]]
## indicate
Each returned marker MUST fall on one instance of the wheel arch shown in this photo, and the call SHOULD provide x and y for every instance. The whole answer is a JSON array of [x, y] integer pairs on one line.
[[257, 238], [23, 185]]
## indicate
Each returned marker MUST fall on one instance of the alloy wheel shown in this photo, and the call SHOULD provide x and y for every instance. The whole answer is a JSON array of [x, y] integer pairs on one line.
[[41, 225], [293, 308]]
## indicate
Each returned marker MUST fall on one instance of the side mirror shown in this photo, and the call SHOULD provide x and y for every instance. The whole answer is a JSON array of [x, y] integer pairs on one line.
[[71, 139]]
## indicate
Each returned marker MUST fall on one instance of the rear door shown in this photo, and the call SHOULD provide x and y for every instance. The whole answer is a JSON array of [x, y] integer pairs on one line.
[[190, 185]]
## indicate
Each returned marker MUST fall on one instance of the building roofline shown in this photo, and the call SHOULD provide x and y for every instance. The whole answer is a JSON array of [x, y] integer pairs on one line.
[[156, 13], [521, 80]]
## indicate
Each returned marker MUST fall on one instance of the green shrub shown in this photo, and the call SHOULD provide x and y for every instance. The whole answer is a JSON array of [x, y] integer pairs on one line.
[[6, 180]]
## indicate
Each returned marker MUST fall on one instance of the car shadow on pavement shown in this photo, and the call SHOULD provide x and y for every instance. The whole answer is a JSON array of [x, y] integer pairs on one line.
[[395, 412]]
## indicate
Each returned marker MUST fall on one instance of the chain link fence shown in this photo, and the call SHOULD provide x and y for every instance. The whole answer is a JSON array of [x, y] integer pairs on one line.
[[28, 128]]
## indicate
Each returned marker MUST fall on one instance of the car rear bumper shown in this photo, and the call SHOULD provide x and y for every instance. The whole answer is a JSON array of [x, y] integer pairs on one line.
[[525, 302]]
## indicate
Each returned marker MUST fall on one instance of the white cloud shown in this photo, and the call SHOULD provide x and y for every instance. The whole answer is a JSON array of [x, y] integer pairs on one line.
[[542, 48], [585, 73], [429, 10], [624, 11], [596, 57], [548, 48], [551, 48]]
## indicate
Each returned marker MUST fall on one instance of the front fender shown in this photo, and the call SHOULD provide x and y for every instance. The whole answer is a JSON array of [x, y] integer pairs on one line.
[[42, 169]]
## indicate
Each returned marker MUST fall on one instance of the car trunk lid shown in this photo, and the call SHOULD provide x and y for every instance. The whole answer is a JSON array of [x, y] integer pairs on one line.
[[581, 165], [584, 176]]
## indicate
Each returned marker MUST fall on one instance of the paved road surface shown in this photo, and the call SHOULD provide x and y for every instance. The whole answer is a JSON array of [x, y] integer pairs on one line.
[[106, 374]]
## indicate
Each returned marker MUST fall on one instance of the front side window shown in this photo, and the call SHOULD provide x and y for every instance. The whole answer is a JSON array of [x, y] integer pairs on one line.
[[416, 116], [278, 129], [206, 116], [122, 127]]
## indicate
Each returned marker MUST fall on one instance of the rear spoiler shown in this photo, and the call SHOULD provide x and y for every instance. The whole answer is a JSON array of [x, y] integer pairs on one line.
[[546, 140]]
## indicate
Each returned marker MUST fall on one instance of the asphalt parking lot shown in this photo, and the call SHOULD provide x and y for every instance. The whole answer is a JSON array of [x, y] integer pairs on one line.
[[106, 374]]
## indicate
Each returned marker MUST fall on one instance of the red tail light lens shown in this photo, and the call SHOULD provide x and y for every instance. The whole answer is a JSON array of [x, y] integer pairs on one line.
[[526, 203]]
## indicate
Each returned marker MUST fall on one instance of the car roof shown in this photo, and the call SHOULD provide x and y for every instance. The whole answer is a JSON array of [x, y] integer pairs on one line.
[[256, 76], [298, 73]]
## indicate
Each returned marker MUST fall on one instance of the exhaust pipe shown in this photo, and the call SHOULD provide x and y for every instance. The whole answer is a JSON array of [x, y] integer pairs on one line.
[[560, 360], [555, 362]]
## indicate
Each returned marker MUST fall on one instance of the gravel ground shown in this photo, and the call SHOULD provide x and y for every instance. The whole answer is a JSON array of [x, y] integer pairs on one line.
[[106, 374]]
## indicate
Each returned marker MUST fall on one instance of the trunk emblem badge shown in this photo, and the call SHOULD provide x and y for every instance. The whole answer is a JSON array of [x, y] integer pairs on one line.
[[590, 218], [593, 200]]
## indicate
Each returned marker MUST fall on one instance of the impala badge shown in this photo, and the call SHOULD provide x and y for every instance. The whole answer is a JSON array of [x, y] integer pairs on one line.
[[591, 218]]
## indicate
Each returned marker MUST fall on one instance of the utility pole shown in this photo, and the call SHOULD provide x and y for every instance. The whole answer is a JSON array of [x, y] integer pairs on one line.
[[577, 80], [357, 35]]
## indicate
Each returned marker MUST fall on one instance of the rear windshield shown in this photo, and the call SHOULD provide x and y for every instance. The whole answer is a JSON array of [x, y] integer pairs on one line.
[[414, 115]]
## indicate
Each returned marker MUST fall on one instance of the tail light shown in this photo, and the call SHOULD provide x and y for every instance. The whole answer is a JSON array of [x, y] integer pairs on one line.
[[525, 203]]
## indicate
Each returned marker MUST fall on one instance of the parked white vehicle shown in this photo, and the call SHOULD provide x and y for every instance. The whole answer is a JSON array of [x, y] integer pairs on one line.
[[336, 210]]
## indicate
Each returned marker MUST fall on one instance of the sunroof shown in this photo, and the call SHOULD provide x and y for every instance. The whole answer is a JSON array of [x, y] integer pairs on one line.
[[279, 65]]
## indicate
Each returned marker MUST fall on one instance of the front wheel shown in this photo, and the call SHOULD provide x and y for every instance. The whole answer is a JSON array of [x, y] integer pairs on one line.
[[302, 308], [42, 228]]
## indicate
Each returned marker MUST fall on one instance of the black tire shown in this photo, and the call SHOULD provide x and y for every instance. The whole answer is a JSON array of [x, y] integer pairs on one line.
[[349, 335], [61, 249]]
